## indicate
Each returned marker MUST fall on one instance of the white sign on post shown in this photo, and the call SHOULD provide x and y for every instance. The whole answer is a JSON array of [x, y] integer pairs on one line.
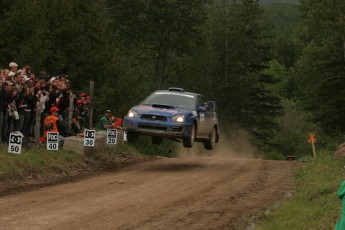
[[15, 143], [112, 136], [89, 138], [124, 135], [52, 141]]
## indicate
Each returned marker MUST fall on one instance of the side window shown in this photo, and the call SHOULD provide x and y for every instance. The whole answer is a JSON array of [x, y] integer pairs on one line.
[[207, 105], [200, 101], [203, 102]]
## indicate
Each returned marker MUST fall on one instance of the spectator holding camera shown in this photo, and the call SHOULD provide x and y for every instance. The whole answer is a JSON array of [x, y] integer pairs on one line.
[[21, 105], [29, 113]]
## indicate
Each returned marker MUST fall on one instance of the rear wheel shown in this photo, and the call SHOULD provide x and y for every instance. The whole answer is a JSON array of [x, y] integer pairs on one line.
[[210, 143], [132, 136], [157, 140], [189, 141]]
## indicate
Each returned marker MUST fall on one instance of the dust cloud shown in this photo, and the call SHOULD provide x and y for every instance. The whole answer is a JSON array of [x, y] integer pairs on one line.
[[233, 143]]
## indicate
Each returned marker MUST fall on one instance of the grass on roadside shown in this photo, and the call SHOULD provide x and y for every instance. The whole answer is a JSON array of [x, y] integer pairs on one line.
[[314, 204], [42, 161]]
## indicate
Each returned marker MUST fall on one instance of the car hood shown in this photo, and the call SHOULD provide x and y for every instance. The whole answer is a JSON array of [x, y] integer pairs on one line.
[[162, 111]]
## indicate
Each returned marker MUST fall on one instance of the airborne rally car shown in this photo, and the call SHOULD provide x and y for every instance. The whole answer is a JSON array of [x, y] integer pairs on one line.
[[174, 114]]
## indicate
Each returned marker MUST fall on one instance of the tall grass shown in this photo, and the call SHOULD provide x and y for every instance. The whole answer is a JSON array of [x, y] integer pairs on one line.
[[43, 162], [35, 161], [314, 204]]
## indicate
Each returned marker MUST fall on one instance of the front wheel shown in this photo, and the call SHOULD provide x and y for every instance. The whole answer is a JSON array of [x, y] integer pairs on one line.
[[210, 143], [189, 141]]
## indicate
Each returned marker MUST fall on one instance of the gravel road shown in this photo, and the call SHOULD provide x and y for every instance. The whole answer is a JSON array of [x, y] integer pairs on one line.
[[169, 193]]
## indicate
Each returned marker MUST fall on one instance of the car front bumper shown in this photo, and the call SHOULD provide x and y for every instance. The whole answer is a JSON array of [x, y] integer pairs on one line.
[[156, 128]]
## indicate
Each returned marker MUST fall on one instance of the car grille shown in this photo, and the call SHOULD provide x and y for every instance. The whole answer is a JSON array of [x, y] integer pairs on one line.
[[153, 117], [153, 127], [176, 129]]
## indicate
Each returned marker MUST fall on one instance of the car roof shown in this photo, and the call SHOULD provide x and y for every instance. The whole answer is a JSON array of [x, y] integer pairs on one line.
[[176, 92]]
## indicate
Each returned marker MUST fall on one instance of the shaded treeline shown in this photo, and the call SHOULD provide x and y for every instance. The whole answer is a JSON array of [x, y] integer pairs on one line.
[[223, 49]]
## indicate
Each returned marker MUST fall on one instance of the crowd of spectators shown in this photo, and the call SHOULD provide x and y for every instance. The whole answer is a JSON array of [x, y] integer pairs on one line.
[[23, 94]]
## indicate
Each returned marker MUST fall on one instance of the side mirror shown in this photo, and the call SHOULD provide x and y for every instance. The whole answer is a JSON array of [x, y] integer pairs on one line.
[[202, 108], [213, 105]]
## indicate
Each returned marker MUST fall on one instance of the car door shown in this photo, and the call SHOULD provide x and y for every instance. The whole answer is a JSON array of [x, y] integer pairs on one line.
[[205, 118]]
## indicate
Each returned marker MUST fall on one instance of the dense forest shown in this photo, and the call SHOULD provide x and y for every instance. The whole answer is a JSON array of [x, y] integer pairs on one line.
[[275, 70], [279, 1]]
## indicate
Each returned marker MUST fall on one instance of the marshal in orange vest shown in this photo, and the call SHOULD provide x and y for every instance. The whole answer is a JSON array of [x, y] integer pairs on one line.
[[50, 125]]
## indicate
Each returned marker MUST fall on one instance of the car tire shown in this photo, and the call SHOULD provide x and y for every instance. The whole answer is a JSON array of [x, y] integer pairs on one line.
[[157, 140], [210, 143], [189, 141], [132, 137]]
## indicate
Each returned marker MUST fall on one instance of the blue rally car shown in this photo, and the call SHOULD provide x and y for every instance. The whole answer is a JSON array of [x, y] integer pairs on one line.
[[174, 114]]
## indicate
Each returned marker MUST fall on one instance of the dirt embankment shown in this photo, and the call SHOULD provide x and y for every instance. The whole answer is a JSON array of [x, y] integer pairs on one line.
[[70, 172]]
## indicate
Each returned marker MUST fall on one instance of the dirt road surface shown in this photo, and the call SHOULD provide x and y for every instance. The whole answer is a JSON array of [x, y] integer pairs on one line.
[[177, 193]]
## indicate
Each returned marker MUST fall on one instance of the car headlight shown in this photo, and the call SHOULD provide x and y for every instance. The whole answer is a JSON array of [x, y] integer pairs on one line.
[[179, 118], [132, 114]]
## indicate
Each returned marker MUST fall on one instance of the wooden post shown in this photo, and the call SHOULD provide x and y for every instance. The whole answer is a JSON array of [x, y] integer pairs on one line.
[[313, 145], [312, 140], [92, 87], [71, 111]]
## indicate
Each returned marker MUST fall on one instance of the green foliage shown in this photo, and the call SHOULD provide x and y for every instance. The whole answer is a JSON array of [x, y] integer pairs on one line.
[[156, 33], [16, 167], [314, 204], [43, 162], [279, 1], [47, 35], [231, 65], [282, 20], [222, 49], [321, 68], [294, 126]]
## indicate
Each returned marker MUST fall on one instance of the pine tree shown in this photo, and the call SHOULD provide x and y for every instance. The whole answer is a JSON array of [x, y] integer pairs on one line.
[[321, 67]]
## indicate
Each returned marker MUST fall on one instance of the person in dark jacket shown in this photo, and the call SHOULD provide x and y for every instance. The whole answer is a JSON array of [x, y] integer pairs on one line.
[[7, 95], [75, 127], [2, 104], [22, 105]]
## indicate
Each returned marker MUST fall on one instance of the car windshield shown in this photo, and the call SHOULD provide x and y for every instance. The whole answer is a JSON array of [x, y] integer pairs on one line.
[[177, 100]]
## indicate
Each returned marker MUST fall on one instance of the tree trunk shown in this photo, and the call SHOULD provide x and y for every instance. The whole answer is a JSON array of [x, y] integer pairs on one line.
[[344, 45], [226, 60], [92, 89], [160, 65]]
